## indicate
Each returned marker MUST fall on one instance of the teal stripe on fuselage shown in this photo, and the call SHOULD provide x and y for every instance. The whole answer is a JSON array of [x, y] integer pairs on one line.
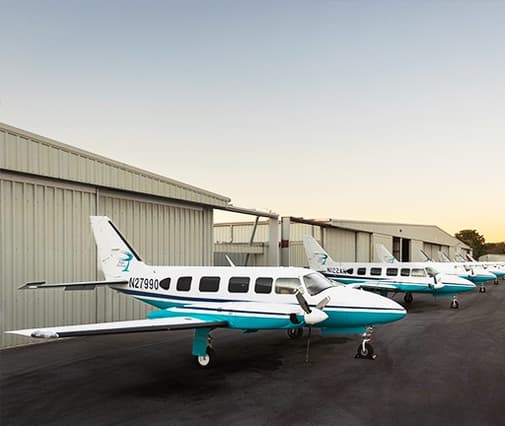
[[478, 279]]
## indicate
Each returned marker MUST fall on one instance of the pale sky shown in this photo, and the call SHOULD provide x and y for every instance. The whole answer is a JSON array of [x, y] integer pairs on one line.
[[376, 110]]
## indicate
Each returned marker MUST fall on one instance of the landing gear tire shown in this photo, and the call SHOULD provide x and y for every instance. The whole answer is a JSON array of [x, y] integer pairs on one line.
[[206, 360], [408, 298], [482, 289], [496, 281], [295, 333], [454, 304], [365, 352]]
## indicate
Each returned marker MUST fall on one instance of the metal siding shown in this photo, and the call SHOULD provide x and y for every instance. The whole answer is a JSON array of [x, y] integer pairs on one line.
[[363, 247], [340, 244], [44, 235], [162, 234], [26, 152]]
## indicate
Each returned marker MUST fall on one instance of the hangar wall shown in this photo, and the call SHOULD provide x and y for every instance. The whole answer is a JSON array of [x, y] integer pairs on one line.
[[45, 232]]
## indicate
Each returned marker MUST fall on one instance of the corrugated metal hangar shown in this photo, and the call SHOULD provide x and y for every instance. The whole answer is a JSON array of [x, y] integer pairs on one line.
[[345, 240], [48, 190]]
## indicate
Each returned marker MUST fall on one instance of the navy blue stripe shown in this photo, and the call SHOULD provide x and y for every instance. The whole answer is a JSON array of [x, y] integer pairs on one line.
[[197, 299]]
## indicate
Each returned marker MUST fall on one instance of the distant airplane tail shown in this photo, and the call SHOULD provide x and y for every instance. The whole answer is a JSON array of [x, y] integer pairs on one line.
[[116, 256], [384, 255], [318, 258], [442, 257]]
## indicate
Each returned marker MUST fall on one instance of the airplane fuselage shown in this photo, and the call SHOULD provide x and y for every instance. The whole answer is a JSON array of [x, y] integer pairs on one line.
[[205, 289]]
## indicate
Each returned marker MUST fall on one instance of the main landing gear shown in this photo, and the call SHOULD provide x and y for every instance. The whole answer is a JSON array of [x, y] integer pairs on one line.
[[482, 289], [408, 298], [203, 352], [295, 333], [365, 349], [454, 303]]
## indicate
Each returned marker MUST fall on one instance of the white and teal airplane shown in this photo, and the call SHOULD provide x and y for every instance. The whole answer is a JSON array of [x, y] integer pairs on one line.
[[469, 262], [398, 277], [475, 274], [205, 298]]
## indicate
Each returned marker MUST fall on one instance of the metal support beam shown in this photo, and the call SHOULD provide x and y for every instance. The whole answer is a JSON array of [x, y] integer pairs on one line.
[[251, 240], [273, 242], [286, 222]]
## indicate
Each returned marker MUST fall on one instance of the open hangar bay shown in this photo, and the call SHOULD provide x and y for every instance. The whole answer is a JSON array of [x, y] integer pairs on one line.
[[437, 366]]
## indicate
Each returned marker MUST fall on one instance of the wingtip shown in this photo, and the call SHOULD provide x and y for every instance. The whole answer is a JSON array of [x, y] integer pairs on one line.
[[31, 285]]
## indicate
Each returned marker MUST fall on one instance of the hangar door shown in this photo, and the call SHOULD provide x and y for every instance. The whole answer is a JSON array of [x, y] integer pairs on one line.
[[44, 236], [340, 244]]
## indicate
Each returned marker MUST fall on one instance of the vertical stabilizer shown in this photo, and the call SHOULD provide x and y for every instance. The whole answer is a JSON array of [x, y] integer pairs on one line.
[[117, 257], [442, 257], [318, 258], [384, 255]]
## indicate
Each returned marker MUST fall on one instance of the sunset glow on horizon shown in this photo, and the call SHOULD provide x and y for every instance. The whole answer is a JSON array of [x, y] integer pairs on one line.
[[377, 111]]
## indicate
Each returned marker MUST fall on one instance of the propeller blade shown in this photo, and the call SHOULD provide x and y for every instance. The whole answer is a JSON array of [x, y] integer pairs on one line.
[[303, 302], [321, 305]]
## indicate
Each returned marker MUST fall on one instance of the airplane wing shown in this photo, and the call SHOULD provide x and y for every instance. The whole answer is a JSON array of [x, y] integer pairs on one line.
[[119, 327], [230, 308], [83, 285]]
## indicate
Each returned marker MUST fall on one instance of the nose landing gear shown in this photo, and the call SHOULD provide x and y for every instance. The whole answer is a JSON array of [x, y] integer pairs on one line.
[[365, 349], [454, 303]]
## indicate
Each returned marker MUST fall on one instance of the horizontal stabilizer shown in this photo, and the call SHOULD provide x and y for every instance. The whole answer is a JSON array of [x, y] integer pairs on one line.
[[119, 327], [84, 285]]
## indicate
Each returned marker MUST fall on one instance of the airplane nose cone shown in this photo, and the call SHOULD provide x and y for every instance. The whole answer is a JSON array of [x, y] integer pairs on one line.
[[374, 309]]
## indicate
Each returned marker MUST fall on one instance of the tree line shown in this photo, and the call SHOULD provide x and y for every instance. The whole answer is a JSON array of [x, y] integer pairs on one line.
[[478, 243]]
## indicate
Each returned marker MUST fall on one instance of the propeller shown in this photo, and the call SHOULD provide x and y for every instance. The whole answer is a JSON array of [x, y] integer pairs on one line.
[[315, 315], [437, 278], [311, 316]]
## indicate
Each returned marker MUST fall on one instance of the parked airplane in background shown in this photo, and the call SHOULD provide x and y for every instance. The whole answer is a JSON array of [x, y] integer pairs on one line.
[[395, 277], [469, 262], [475, 275], [205, 298]]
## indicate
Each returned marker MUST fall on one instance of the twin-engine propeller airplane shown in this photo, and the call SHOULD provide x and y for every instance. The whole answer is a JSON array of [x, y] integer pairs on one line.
[[475, 274], [395, 277], [205, 298]]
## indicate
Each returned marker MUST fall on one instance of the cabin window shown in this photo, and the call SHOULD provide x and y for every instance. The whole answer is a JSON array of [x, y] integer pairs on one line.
[[361, 271], [405, 272], [375, 271], [418, 272], [165, 283], [209, 283], [183, 283], [286, 285], [392, 272], [263, 285], [238, 284]]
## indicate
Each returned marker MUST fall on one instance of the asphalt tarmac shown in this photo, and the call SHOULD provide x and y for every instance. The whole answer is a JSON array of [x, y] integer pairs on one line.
[[435, 367]]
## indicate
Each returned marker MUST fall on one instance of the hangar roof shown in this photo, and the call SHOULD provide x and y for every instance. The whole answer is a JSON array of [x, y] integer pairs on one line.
[[26, 152], [426, 233]]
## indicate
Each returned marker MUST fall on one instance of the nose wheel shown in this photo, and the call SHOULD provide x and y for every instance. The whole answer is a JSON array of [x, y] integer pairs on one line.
[[454, 303], [482, 289], [365, 349]]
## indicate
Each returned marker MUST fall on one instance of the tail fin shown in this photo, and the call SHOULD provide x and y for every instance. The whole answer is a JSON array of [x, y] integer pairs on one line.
[[116, 255], [426, 257], [442, 257], [318, 258], [384, 255]]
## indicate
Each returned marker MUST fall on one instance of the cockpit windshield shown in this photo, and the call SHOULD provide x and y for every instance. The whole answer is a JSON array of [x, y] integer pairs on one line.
[[432, 272], [316, 283]]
